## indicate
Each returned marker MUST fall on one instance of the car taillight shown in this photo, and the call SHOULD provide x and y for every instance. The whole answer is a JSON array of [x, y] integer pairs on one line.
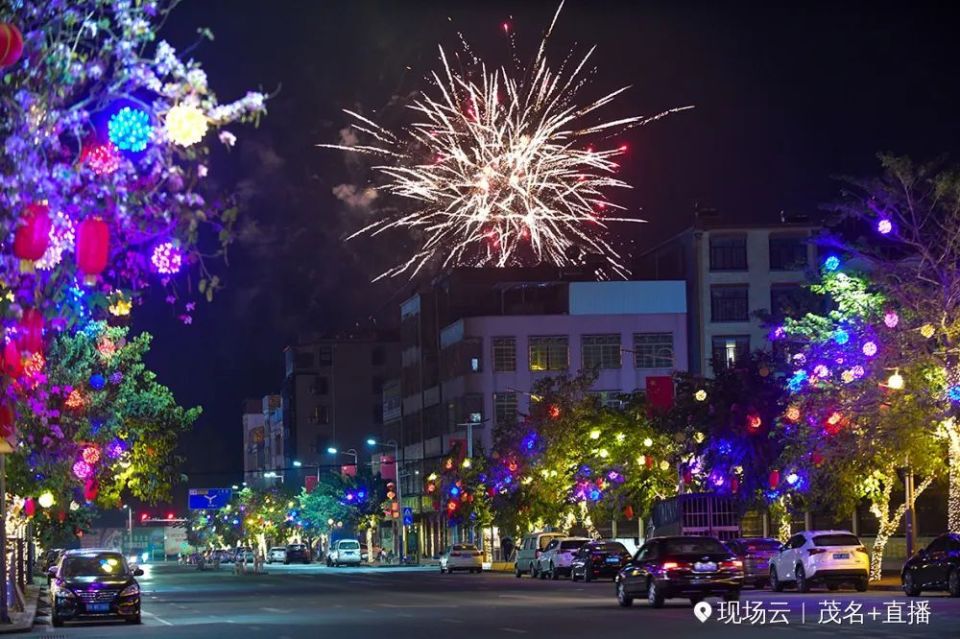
[[674, 565], [734, 564], [861, 549], [816, 551], [454, 554]]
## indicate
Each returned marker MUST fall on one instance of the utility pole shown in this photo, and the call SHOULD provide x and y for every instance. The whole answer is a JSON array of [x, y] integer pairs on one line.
[[910, 521], [4, 612]]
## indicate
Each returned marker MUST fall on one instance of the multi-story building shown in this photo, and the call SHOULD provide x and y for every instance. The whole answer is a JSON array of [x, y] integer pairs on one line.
[[332, 394], [475, 341], [734, 275], [263, 438]]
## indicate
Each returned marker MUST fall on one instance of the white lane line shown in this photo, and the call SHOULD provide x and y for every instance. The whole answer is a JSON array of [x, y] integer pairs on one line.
[[279, 611], [515, 631], [451, 620], [153, 616]]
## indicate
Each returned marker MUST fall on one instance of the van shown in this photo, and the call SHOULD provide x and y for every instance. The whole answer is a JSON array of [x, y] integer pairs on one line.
[[529, 551]]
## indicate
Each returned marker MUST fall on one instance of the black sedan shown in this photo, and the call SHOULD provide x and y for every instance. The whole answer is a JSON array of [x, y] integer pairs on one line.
[[94, 584], [297, 553], [598, 559], [936, 567], [671, 567], [755, 553]]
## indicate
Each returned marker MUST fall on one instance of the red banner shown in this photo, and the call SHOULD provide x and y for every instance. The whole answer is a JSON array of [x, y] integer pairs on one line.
[[310, 483], [660, 392], [388, 468]]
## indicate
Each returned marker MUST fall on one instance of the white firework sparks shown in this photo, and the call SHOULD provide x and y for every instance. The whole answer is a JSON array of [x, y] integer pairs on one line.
[[502, 169]]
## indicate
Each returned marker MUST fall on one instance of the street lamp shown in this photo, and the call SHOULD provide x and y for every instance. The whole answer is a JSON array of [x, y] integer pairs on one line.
[[297, 463], [350, 453], [396, 466]]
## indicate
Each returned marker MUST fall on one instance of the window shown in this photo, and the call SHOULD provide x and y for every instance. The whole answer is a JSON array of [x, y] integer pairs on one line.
[[601, 351], [320, 415], [504, 408], [548, 353], [653, 350], [325, 354], [320, 386], [474, 364], [728, 351], [504, 354], [729, 304], [788, 253], [728, 253]]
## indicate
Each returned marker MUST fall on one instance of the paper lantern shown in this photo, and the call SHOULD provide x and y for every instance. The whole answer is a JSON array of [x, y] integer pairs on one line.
[[12, 360], [91, 488], [30, 332], [11, 44], [29, 507], [185, 124], [32, 237], [734, 484], [93, 248], [7, 428], [774, 478], [46, 499]]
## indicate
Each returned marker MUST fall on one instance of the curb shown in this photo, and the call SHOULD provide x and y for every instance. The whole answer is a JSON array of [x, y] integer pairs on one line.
[[23, 621]]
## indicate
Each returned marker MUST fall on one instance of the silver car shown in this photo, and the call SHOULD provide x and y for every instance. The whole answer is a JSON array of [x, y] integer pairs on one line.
[[277, 555]]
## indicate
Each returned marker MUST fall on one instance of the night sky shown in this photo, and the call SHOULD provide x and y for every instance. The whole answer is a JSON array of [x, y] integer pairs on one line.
[[787, 96]]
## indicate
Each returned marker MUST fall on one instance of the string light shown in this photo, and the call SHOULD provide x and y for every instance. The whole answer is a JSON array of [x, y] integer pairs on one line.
[[700, 395], [895, 381], [167, 259], [869, 349], [121, 307], [891, 319], [884, 226], [832, 263], [46, 499], [927, 331], [185, 124]]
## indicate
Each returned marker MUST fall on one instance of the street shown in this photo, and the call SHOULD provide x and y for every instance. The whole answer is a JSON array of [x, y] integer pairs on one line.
[[408, 603]]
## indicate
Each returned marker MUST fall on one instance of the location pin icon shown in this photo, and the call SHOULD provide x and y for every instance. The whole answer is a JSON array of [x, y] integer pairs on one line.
[[702, 611]]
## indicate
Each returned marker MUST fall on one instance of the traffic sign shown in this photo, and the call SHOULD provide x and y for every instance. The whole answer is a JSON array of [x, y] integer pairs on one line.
[[408, 516], [208, 498]]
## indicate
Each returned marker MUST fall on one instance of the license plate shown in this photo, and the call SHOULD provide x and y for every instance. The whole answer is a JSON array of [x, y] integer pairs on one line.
[[841, 555], [98, 607], [613, 560], [706, 566]]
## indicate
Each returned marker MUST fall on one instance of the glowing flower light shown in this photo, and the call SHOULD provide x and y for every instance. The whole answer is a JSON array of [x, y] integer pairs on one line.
[[927, 331], [91, 455], [834, 418], [841, 336], [167, 259], [130, 129], [821, 371], [46, 499], [103, 159], [884, 226], [648, 442], [664, 465], [832, 263], [62, 238], [793, 413], [121, 307], [106, 347], [97, 381], [74, 400], [185, 124], [754, 421], [700, 395], [869, 349], [82, 470], [594, 434], [895, 381], [115, 449], [502, 173], [792, 478], [891, 319]]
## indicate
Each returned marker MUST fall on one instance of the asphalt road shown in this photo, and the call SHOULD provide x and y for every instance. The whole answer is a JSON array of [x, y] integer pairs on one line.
[[418, 603]]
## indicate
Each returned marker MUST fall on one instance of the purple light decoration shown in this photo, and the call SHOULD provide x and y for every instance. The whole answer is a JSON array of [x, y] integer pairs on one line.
[[777, 333], [821, 371], [870, 349], [884, 226], [82, 470], [891, 319], [116, 378], [115, 449], [858, 371], [167, 259]]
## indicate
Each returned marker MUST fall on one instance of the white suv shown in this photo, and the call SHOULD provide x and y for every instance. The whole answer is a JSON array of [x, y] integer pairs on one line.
[[558, 555], [345, 551], [830, 557]]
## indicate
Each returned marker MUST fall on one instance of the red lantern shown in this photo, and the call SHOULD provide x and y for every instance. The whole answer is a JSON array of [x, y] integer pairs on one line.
[[687, 477], [12, 362], [61, 516], [91, 489], [774, 478], [32, 237], [734, 484], [628, 512], [754, 421], [11, 44], [29, 506], [7, 429], [30, 333], [554, 411], [816, 458], [648, 460], [93, 248]]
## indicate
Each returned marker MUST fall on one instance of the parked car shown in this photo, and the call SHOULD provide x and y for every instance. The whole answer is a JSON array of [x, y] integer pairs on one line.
[[296, 553], [244, 555], [755, 553], [461, 557], [343, 552], [598, 559], [936, 567], [277, 554], [669, 567], [49, 558], [94, 584], [830, 557], [556, 557], [529, 550], [227, 556]]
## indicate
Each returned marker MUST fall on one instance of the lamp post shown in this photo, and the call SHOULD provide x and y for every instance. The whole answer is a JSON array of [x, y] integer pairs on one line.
[[333, 450], [396, 466], [299, 464]]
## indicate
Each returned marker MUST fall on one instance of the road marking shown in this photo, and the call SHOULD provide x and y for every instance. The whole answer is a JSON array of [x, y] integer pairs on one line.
[[153, 616], [515, 631], [450, 620], [406, 614], [279, 611]]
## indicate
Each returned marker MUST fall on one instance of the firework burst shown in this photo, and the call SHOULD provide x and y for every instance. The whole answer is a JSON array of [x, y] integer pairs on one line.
[[502, 168]]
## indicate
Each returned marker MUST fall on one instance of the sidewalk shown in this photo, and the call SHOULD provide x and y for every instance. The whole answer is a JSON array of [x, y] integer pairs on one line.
[[23, 621]]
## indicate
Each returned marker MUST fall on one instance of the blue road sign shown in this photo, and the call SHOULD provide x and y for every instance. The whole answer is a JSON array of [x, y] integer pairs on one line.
[[208, 498], [408, 516]]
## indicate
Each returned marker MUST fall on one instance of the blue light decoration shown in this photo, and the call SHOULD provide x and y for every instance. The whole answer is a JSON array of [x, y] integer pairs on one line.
[[832, 263], [130, 129], [115, 448], [796, 381], [792, 478], [529, 442], [884, 226], [97, 381], [841, 336], [594, 494], [954, 393], [454, 491]]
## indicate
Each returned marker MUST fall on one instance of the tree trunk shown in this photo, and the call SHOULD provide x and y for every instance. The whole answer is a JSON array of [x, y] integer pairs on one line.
[[370, 553], [888, 524], [953, 499]]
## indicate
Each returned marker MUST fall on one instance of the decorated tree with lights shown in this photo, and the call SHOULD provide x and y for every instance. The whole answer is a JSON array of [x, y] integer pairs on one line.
[[320, 510], [865, 403], [572, 461], [459, 489], [95, 425], [903, 226]]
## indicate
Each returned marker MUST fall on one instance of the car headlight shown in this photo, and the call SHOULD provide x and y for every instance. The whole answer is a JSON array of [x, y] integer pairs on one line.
[[132, 589], [634, 572], [63, 593]]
